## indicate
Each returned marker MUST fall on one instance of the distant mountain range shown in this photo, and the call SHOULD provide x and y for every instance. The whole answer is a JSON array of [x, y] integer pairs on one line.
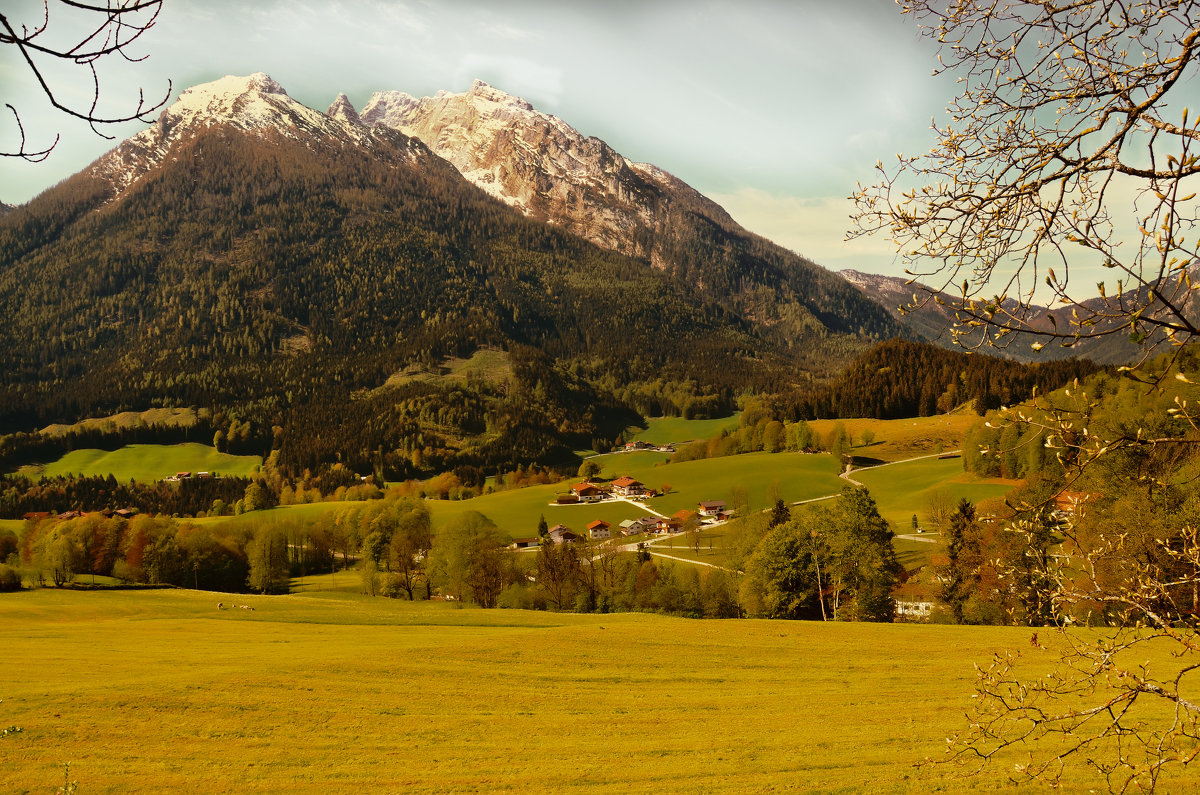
[[931, 319]]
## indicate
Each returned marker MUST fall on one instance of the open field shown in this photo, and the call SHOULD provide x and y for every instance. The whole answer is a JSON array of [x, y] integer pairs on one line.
[[150, 462], [906, 438], [516, 512], [487, 364], [333, 692], [901, 490], [799, 477], [667, 430]]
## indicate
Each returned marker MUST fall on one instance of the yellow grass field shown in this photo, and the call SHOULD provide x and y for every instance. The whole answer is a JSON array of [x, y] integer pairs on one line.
[[905, 438], [161, 692]]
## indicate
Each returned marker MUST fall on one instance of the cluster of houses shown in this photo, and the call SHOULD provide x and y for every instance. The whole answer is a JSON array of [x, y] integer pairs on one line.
[[633, 447], [178, 476], [623, 487], [600, 530]]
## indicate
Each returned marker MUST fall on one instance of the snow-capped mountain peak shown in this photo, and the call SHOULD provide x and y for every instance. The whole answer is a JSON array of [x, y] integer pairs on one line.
[[250, 101], [482, 91], [255, 103]]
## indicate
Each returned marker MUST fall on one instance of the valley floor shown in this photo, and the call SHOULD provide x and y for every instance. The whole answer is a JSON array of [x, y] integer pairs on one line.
[[331, 692]]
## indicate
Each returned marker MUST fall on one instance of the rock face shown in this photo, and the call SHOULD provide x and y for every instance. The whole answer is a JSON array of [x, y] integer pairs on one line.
[[551, 172], [543, 166], [343, 111]]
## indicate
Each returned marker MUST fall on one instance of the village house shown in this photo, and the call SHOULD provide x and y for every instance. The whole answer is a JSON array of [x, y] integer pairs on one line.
[[561, 534], [587, 492], [525, 543], [626, 486], [665, 525], [1067, 504], [712, 508], [684, 516], [632, 527], [913, 611], [632, 446], [600, 530]]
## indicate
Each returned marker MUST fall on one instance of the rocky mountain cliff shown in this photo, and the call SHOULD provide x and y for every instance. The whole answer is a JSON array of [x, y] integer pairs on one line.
[[542, 166]]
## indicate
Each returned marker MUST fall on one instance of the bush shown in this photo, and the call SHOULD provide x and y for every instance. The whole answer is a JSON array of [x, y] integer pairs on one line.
[[10, 578], [520, 597]]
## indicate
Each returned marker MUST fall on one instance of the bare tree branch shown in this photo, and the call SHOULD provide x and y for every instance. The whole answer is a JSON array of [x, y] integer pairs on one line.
[[117, 25], [1065, 107]]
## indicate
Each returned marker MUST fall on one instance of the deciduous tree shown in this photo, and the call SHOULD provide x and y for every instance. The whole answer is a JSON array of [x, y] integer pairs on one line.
[[1071, 118]]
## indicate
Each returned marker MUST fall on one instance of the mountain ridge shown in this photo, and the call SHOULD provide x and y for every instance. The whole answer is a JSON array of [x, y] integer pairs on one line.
[[548, 170], [929, 314]]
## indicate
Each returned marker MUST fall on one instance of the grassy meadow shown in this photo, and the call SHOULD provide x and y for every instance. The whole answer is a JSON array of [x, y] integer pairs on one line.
[[669, 430], [149, 462], [128, 419], [905, 438], [902, 490], [333, 692]]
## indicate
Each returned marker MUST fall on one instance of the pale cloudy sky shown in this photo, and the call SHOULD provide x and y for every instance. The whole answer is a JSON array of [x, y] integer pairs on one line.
[[774, 109]]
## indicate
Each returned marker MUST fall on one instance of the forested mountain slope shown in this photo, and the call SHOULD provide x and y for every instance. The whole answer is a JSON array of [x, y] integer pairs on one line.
[[278, 266]]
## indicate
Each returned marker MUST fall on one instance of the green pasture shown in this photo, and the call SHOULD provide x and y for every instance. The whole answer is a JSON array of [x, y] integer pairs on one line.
[[900, 490], [304, 512], [516, 512], [151, 462], [641, 460], [668, 430], [896, 440], [335, 692], [799, 477]]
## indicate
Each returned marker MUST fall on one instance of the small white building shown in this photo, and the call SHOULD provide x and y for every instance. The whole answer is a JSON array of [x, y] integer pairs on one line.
[[600, 530]]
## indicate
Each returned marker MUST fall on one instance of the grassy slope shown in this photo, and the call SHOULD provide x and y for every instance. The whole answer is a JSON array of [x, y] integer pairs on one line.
[[901, 490], [799, 477], [486, 363], [517, 511], [337, 693], [128, 419], [150, 462], [668, 430], [906, 438]]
